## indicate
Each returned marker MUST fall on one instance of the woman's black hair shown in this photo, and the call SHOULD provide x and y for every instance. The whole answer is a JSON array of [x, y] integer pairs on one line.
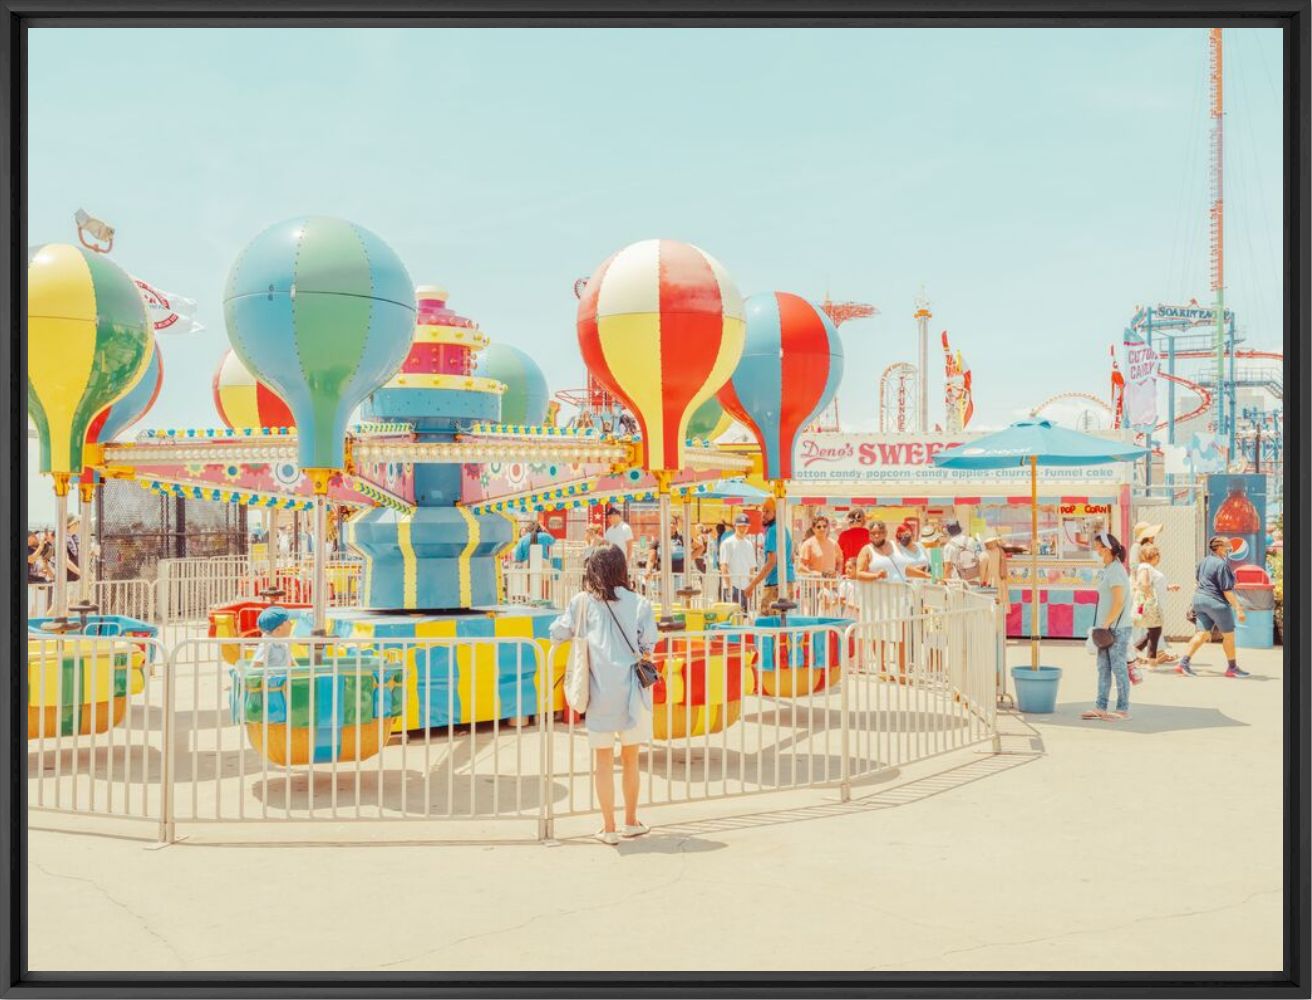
[[1111, 542], [605, 570]]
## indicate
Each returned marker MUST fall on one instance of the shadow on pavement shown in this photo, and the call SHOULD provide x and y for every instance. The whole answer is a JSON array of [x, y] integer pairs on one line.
[[1143, 718]]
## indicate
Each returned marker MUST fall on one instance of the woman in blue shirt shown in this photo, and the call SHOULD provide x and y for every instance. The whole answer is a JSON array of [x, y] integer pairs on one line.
[[1113, 614], [1215, 604], [618, 626]]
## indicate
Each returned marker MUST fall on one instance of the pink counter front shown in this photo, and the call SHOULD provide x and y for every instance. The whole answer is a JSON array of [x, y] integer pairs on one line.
[[1064, 613]]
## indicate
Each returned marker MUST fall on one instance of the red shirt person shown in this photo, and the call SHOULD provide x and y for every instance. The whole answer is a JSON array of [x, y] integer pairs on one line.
[[855, 537]]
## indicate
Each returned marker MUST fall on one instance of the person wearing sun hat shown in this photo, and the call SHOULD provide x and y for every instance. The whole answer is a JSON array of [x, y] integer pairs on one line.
[[1144, 532]]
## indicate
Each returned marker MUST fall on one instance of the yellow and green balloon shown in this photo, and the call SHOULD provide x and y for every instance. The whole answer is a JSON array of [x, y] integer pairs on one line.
[[89, 341]]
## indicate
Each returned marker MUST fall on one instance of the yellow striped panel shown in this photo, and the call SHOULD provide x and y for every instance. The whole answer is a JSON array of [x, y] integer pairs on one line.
[[629, 343], [436, 333], [466, 558], [465, 383], [512, 627], [410, 564], [436, 629], [477, 682], [65, 290], [500, 563], [367, 577], [61, 341]]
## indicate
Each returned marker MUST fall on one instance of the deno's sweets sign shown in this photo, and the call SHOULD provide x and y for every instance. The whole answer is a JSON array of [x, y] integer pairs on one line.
[[909, 458]]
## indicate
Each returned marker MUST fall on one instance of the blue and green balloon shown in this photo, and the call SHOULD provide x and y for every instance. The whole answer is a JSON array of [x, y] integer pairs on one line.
[[526, 397], [323, 311]]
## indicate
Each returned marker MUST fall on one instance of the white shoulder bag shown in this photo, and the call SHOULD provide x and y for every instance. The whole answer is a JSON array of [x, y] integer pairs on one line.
[[576, 668]]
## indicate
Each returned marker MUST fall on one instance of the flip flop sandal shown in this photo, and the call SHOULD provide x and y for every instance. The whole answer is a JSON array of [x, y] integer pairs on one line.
[[1094, 714]]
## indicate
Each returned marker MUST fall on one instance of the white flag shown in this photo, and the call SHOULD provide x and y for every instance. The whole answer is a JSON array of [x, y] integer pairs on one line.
[[1141, 367], [171, 314]]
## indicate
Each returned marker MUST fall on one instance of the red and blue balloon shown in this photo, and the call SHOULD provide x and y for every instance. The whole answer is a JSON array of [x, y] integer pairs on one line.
[[790, 369]]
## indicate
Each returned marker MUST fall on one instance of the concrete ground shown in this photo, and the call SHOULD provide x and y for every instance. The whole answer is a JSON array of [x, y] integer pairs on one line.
[[1151, 844]]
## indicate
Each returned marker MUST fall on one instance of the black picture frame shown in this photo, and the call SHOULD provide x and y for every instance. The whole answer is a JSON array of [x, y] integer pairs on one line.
[[1293, 16]]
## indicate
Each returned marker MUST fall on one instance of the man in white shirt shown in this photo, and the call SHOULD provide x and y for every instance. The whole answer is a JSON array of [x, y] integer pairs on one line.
[[619, 534], [738, 560]]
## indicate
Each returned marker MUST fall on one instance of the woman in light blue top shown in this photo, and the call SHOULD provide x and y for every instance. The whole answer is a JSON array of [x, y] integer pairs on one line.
[[619, 627], [1113, 614]]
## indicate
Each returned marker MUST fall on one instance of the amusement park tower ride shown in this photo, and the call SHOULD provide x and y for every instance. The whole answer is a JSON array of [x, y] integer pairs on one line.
[[923, 316], [441, 557], [1217, 227]]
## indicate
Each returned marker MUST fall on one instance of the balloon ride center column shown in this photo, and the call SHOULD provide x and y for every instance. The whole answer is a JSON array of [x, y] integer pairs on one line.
[[442, 557]]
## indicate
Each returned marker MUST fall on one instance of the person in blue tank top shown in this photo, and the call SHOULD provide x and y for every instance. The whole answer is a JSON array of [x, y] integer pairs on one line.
[[1215, 604]]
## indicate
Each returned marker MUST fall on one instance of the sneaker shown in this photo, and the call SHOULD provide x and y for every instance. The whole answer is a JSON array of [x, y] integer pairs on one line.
[[1236, 672], [608, 837], [1184, 668], [636, 830]]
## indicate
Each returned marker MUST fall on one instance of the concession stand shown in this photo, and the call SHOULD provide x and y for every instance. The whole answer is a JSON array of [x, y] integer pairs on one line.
[[893, 477]]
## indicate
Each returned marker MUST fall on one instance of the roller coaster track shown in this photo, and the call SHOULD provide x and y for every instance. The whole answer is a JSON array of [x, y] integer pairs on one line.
[[1204, 399]]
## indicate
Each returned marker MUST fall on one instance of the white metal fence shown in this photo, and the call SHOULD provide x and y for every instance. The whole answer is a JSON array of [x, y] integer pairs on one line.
[[438, 729], [187, 589], [97, 713], [130, 598]]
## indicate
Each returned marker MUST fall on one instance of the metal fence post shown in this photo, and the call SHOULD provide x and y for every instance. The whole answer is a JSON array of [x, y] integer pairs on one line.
[[167, 831], [844, 723], [546, 725]]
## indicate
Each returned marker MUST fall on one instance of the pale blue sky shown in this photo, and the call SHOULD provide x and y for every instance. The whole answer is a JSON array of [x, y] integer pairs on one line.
[[1040, 184]]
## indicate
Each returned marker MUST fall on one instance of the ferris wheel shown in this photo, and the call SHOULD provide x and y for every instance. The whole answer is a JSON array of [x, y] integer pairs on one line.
[[1082, 410]]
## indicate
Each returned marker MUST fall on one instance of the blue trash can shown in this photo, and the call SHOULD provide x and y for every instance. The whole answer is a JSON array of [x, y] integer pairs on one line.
[[1257, 597], [1257, 631]]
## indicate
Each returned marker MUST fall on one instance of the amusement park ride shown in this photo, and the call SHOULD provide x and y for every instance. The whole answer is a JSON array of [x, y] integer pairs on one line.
[[323, 317]]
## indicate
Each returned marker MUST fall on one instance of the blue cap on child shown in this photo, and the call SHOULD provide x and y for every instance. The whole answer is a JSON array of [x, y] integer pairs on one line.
[[271, 618]]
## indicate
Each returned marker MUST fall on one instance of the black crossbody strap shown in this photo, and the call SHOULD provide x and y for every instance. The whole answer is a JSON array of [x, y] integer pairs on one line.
[[620, 627]]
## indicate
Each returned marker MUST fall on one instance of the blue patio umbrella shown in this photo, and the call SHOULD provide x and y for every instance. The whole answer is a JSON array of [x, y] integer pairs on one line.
[[1036, 442], [734, 491]]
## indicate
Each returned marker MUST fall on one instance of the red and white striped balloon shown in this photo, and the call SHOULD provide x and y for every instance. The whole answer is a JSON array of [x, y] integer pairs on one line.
[[661, 325]]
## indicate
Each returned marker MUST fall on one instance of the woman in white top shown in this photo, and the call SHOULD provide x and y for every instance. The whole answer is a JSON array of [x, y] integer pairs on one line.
[[619, 627], [878, 560], [1150, 589]]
